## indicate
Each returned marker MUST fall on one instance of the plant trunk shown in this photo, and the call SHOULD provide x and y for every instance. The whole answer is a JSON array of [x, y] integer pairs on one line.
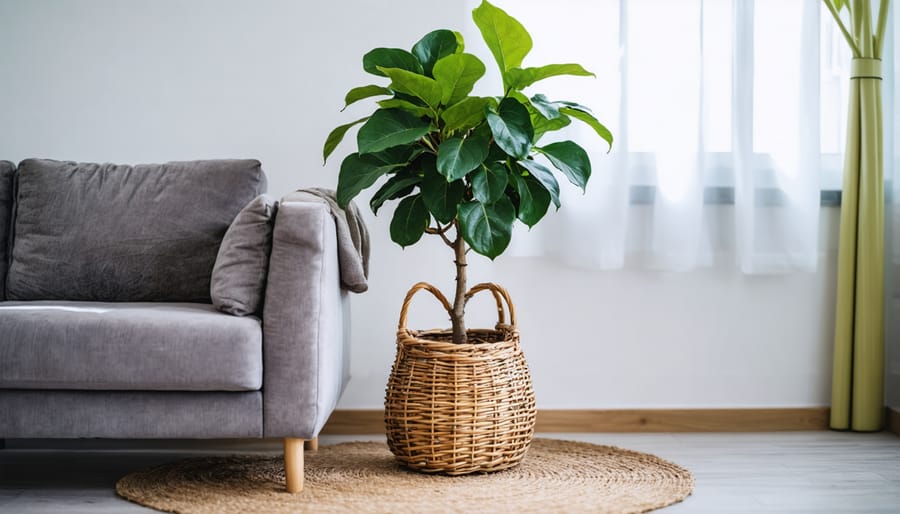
[[457, 317]]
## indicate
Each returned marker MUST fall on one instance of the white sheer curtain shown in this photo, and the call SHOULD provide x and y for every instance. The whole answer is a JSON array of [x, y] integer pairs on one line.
[[729, 117]]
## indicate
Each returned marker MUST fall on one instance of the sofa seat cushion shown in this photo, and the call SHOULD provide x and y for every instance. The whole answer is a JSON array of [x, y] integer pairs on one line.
[[128, 346]]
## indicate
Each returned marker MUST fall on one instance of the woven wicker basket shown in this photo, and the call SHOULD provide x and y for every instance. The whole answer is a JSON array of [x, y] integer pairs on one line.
[[460, 408]]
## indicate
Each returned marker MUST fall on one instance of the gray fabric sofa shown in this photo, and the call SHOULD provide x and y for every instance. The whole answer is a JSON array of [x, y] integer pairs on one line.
[[107, 329]]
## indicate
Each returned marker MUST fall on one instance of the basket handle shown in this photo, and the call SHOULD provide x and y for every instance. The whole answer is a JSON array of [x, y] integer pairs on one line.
[[412, 292], [500, 295]]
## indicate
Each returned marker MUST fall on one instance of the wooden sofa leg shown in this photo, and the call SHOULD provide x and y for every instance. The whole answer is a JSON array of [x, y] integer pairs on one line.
[[293, 464], [312, 444]]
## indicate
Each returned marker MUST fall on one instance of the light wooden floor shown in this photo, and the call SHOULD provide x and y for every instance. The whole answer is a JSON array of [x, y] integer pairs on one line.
[[806, 472]]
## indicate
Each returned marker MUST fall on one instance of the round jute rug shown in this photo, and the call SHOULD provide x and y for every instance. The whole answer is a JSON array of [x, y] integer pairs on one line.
[[555, 476]]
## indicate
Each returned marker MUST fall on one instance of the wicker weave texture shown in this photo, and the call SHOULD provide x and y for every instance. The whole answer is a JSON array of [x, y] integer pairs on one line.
[[460, 408], [364, 478]]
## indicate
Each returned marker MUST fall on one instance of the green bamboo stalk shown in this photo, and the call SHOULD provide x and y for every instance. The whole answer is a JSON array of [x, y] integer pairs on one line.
[[868, 337], [840, 24], [858, 380], [881, 27], [864, 28], [842, 372]]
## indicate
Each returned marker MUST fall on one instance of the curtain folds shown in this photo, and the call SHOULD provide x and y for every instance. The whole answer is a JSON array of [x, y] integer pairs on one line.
[[719, 138], [730, 120]]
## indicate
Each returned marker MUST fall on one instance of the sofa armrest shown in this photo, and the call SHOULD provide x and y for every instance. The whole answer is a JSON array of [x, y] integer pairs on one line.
[[305, 322]]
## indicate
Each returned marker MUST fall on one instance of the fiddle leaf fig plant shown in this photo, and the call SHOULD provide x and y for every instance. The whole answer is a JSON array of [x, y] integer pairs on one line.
[[470, 164]]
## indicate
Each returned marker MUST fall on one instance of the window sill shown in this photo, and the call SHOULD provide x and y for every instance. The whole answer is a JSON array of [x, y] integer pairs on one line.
[[646, 195]]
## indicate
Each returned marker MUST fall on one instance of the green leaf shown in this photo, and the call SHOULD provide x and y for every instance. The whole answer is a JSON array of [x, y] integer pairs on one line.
[[410, 98], [410, 221], [506, 38], [435, 45], [358, 93], [511, 125], [396, 103], [489, 182], [496, 154], [458, 156], [570, 159], [466, 114], [457, 75], [425, 164], [487, 227], [442, 197], [460, 42], [588, 118], [548, 109], [336, 136], [402, 154], [520, 78], [544, 176], [542, 125], [390, 127], [390, 58], [395, 187], [563, 103], [539, 121], [534, 200], [419, 86], [357, 173]]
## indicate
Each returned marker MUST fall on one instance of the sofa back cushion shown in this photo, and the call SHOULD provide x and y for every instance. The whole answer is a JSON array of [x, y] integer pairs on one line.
[[107, 232], [238, 280], [7, 172]]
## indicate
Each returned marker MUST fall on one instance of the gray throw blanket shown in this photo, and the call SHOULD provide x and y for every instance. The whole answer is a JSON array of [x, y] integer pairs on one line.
[[353, 239]]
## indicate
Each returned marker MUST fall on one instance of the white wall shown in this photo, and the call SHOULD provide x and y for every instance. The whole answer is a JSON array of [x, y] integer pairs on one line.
[[142, 81], [129, 81], [711, 338]]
